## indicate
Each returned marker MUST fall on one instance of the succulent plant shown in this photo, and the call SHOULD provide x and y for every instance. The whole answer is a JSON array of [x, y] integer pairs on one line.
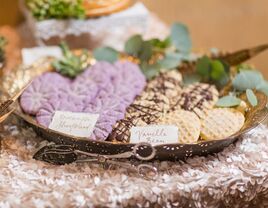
[[58, 9], [70, 65]]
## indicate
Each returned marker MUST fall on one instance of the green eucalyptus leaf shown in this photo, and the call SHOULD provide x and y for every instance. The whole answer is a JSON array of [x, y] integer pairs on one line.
[[191, 79], [217, 70], [106, 54], [203, 67], [247, 80], [251, 97], [133, 46], [170, 61], [150, 70], [263, 87], [228, 101], [180, 37], [146, 51]]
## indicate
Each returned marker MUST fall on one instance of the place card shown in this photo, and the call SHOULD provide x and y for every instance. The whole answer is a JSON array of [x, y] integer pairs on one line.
[[75, 124], [30, 55], [154, 134]]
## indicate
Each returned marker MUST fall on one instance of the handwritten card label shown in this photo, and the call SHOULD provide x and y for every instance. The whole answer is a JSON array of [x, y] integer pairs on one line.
[[30, 55], [75, 124], [154, 134]]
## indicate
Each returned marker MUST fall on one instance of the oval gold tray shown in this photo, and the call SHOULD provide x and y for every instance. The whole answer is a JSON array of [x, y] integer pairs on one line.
[[176, 151]]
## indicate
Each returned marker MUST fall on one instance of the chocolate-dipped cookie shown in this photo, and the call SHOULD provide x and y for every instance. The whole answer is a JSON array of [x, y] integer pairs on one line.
[[158, 97]]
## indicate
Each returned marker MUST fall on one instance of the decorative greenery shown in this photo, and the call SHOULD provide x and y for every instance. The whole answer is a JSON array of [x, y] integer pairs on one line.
[[251, 97], [70, 65], [212, 70], [245, 81], [180, 38], [228, 101], [59, 9], [154, 55], [3, 43], [157, 55], [263, 87], [106, 54]]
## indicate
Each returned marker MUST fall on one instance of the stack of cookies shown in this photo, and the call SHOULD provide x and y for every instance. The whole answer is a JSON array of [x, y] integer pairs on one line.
[[158, 97], [190, 108]]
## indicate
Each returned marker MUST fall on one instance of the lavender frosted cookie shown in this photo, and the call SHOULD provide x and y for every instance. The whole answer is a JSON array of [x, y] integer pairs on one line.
[[132, 81], [112, 101], [77, 93], [130, 73], [41, 90], [100, 74], [110, 110]]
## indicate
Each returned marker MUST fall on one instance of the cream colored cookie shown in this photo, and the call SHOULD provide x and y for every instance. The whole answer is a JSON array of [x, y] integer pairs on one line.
[[198, 98], [188, 123], [157, 99], [220, 123]]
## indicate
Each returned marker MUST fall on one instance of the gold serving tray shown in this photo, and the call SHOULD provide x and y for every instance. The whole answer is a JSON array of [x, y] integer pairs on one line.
[[253, 118]]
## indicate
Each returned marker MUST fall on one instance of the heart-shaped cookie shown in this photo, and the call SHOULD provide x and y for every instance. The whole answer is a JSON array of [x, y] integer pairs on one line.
[[106, 89]]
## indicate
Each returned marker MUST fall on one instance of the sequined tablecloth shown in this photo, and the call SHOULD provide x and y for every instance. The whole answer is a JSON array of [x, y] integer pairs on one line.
[[236, 177]]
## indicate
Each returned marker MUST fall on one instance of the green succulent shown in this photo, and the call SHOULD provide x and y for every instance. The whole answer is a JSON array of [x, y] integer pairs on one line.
[[70, 65], [58, 9]]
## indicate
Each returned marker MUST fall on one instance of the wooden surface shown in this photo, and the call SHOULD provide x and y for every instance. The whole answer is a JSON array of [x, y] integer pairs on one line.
[[228, 24]]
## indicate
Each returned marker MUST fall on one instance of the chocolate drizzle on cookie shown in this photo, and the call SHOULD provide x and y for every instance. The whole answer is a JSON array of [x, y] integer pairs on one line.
[[158, 97], [197, 98]]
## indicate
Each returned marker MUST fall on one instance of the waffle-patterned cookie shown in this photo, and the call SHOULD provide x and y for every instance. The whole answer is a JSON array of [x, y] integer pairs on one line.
[[220, 123], [188, 123], [160, 94], [198, 98]]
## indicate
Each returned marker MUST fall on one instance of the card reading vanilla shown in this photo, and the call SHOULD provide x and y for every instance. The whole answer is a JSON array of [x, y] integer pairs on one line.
[[154, 134]]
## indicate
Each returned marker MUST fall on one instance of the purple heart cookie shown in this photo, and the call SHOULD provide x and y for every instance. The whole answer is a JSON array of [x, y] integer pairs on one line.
[[106, 89]]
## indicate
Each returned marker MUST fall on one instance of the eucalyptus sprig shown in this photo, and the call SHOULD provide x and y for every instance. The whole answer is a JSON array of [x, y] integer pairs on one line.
[[58, 9], [153, 55], [209, 70], [215, 71], [246, 81], [70, 65]]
